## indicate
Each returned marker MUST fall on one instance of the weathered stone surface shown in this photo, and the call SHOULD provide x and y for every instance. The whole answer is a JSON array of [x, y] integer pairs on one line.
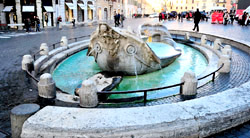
[[39, 62], [227, 50], [187, 36], [118, 50], [64, 41], [18, 115], [190, 83], [194, 118], [140, 122], [53, 60], [46, 86], [224, 59], [27, 60], [102, 82], [44, 49], [56, 51], [88, 94], [217, 44], [203, 40]]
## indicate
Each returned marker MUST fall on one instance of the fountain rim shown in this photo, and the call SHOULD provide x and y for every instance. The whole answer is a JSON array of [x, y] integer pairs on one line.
[[197, 120], [73, 99]]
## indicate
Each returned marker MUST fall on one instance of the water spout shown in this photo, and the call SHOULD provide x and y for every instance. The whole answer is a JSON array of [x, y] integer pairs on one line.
[[136, 80]]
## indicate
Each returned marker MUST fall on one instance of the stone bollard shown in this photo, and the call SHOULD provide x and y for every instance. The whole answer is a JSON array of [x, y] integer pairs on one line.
[[224, 59], [227, 50], [44, 49], [217, 44], [19, 115], [46, 86], [64, 41], [203, 40], [187, 36], [27, 63], [88, 94], [190, 84]]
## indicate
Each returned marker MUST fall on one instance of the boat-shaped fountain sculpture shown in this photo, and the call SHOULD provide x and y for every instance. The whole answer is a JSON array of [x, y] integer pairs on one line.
[[119, 50]]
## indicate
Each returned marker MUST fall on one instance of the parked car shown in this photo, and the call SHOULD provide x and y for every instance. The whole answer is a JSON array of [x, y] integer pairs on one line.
[[154, 15]]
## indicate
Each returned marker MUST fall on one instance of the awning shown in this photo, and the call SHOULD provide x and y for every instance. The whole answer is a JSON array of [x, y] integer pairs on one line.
[[81, 6], [48, 8], [91, 7], [70, 5], [7, 8], [28, 8]]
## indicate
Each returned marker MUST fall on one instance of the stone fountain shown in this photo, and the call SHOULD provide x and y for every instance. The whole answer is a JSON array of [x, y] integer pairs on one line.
[[119, 50]]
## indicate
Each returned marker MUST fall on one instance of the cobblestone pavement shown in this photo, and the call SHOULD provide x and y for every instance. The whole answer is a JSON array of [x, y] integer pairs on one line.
[[15, 88]]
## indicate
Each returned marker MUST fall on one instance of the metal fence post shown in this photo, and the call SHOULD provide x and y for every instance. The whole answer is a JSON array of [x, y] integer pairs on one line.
[[145, 98], [213, 77]]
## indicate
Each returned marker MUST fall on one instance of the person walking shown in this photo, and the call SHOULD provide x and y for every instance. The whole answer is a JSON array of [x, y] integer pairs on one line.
[[246, 20], [74, 22], [226, 18], [122, 19], [27, 25], [59, 19], [179, 16], [232, 18], [197, 18], [37, 20], [115, 18], [160, 17], [118, 18]]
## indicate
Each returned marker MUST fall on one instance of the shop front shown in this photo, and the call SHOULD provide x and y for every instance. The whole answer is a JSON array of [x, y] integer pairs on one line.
[[28, 10], [10, 15], [80, 11], [91, 9], [47, 14], [9, 12], [69, 7]]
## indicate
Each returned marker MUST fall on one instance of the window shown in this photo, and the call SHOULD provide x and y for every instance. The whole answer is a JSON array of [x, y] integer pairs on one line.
[[186, 7], [223, 5], [192, 1], [176, 7], [181, 7]]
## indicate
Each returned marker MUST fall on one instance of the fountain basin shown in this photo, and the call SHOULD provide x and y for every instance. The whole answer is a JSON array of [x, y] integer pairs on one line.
[[71, 72]]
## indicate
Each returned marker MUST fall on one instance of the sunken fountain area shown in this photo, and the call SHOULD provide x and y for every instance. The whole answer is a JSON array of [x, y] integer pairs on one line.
[[238, 75], [217, 106]]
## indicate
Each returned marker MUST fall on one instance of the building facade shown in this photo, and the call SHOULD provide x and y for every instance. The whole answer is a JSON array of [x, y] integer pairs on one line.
[[80, 10], [17, 11], [48, 11]]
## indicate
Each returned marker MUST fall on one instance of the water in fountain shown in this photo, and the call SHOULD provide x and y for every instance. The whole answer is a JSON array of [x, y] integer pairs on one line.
[[72, 71]]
